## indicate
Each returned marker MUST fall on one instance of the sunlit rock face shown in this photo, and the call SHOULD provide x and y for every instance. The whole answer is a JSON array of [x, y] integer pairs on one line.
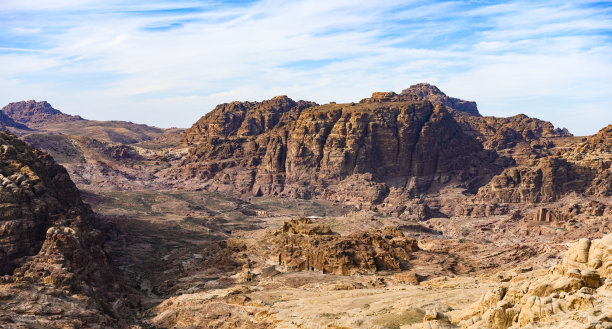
[[359, 152]]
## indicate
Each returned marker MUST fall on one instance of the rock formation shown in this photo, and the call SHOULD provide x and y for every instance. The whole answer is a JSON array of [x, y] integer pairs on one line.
[[36, 193], [574, 294], [425, 91], [584, 169], [6, 122], [51, 251], [505, 133], [303, 246], [34, 114], [358, 153]]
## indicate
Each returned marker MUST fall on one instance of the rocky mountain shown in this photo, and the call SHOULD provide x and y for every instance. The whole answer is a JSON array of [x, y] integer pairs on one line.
[[585, 169], [50, 245], [36, 114], [245, 119], [347, 152], [399, 211], [425, 91]]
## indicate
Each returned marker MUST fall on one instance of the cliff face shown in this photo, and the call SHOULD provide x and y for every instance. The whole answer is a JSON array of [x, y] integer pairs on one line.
[[519, 136], [245, 119], [51, 250], [36, 193], [583, 169], [336, 151]]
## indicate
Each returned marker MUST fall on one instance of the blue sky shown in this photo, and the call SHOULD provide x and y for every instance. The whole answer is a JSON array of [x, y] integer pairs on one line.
[[166, 63]]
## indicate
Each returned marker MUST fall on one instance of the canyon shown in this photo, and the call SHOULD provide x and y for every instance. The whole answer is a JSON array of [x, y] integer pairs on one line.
[[401, 210]]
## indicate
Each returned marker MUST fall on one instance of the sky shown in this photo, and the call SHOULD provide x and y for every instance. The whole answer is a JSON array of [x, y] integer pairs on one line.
[[167, 63]]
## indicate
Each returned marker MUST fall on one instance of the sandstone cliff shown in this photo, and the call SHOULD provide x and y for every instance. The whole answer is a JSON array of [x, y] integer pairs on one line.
[[574, 294], [345, 152], [303, 246], [585, 169], [51, 250]]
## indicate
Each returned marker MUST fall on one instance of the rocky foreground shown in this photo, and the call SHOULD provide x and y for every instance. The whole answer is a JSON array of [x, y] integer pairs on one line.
[[403, 210]]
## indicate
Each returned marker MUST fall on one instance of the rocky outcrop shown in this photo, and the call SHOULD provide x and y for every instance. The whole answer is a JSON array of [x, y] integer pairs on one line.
[[51, 250], [121, 152], [574, 294], [585, 169], [357, 153], [36, 193], [240, 120], [549, 216], [320, 250], [425, 91], [528, 137], [34, 114], [520, 137]]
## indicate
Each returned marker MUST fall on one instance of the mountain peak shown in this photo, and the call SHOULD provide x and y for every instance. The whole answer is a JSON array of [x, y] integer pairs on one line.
[[426, 91], [33, 113]]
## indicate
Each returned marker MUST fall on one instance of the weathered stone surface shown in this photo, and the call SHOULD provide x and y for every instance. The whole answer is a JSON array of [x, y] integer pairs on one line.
[[503, 133], [584, 169], [6, 122], [365, 252], [58, 274], [358, 153], [244, 119], [565, 297], [36, 194], [425, 91], [549, 216]]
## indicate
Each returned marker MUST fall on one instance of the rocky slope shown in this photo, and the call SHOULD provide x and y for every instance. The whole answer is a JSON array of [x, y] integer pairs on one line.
[[585, 169], [7, 122], [356, 153], [520, 136], [36, 114], [576, 293], [56, 273], [110, 154]]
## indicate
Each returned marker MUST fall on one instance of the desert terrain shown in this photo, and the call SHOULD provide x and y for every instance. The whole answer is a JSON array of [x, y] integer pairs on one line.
[[401, 210]]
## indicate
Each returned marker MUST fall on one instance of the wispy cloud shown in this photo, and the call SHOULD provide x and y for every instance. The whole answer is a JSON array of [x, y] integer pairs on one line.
[[169, 62]]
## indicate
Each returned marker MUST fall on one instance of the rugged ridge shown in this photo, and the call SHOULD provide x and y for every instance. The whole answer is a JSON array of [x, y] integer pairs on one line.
[[51, 250], [34, 114], [585, 169], [408, 147], [243, 119], [6, 122], [425, 91]]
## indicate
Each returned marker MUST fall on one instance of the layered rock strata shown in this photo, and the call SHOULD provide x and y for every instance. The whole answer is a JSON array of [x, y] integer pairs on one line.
[[585, 169], [57, 273], [358, 153], [315, 248]]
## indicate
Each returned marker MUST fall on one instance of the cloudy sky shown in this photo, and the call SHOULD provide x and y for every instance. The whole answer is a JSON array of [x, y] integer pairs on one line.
[[166, 63]]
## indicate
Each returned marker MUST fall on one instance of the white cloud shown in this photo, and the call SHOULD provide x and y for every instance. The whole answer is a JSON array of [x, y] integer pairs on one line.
[[504, 56]]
